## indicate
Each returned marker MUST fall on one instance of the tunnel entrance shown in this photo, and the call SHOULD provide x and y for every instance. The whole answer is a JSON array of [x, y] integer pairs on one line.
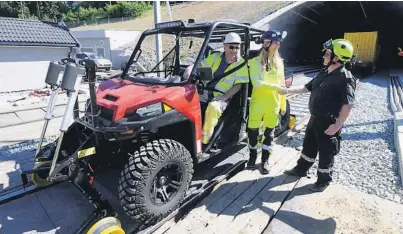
[[310, 24]]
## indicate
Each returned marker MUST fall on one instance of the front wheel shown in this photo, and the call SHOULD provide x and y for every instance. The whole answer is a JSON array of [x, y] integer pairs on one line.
[[40, 178], [108, 225], [155, 180]]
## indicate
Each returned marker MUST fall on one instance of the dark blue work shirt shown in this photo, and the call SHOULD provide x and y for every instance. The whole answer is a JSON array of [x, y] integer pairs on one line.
[[223, 65], [221, 68]]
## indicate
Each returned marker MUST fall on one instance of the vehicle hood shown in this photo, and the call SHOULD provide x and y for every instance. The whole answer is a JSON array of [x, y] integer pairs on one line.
[[125, 97], [102, 61]]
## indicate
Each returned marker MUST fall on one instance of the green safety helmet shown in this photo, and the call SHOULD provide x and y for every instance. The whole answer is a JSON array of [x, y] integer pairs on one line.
[[342, 48]]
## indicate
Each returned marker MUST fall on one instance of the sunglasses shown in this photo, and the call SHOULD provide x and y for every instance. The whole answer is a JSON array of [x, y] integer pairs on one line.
[[234, 47]]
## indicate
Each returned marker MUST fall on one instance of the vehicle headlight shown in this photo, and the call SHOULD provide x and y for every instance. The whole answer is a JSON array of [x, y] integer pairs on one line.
[[150, 110]]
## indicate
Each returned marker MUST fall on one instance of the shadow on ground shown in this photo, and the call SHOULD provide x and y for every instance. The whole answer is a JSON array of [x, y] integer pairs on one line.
[[267, 195], [43, 211], [60, 209], [12, 159]]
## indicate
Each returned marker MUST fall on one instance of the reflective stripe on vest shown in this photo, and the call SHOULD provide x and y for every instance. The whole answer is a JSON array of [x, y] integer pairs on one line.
[[212, 61], [237, 77], [226, 83], [258, 72]]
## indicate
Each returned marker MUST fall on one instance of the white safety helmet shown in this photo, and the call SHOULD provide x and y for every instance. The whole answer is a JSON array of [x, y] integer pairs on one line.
[[232, 38]]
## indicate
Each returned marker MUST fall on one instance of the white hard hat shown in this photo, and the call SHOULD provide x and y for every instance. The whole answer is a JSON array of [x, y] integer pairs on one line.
[[232, 38]]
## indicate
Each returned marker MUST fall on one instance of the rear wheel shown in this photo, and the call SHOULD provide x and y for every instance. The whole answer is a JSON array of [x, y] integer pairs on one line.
[[155, 180]]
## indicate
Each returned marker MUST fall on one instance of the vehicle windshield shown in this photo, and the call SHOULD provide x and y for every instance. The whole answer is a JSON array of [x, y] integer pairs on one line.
[[173, 60], [180, 48]]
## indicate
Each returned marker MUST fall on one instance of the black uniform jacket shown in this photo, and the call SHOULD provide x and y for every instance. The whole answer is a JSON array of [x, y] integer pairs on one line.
[[329, 92]]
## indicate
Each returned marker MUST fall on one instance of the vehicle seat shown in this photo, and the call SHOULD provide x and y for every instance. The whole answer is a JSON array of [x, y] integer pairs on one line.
[[229, 124]]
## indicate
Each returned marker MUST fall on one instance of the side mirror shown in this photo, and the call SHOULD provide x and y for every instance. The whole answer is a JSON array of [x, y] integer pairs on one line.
[[205, 73], [257, 40], [289, 80]]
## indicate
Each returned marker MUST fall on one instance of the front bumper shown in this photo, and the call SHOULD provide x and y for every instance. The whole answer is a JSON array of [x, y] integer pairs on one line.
[[104, 67], [122, 129]]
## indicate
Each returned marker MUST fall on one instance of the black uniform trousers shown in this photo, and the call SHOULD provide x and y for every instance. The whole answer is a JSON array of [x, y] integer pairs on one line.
[[253, 137], [316, 140]]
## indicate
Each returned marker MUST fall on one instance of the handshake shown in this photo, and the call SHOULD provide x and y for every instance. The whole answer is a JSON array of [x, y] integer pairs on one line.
[[282, 90]]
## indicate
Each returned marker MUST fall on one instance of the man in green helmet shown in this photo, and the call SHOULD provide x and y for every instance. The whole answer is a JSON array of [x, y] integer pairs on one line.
[[330, 103]]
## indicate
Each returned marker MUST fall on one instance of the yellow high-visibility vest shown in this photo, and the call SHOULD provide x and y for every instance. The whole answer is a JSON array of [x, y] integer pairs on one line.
[[226, 83], [264, 84]]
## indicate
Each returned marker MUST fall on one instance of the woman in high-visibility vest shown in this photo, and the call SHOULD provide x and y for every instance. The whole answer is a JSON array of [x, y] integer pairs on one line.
[[267, 77]]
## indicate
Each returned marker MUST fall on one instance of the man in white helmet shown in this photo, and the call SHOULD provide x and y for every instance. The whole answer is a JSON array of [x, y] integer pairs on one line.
[[226, 87]]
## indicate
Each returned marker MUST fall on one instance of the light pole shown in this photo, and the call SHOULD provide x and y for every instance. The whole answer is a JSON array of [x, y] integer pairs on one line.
[[169, 10], [158, 44]]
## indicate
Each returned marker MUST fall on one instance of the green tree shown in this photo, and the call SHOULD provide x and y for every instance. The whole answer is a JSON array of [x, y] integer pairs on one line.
[[18, 9], [72, 10]]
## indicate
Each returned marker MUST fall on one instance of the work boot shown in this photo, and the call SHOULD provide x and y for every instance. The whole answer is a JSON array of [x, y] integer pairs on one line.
[[263, 170], [262, 167], [251, 164], [295, 172], [318, 187], [252, 159]]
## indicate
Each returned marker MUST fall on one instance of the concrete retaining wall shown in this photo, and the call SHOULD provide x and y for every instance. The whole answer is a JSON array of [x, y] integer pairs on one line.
[[398, 137], [25, 68]]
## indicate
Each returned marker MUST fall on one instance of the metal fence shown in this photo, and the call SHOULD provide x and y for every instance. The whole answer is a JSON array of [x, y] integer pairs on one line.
[[247, 10], [74, 24]]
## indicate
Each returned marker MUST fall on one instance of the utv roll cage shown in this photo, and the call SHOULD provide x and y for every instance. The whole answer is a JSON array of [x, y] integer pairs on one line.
[[212, 32]]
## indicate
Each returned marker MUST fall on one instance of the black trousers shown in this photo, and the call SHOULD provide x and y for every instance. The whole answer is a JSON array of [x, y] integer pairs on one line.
[[253, 135], [316, 140]]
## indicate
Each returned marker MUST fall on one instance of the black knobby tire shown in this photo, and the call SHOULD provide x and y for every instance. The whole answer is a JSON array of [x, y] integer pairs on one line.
[[139, 174]]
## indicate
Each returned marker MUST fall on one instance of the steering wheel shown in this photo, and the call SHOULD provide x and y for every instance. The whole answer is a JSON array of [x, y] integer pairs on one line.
[[213, 89], [201, 86]]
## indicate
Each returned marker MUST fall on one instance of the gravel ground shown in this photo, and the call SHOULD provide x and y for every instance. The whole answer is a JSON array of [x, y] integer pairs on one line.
[[303, 79], [368, 160]]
